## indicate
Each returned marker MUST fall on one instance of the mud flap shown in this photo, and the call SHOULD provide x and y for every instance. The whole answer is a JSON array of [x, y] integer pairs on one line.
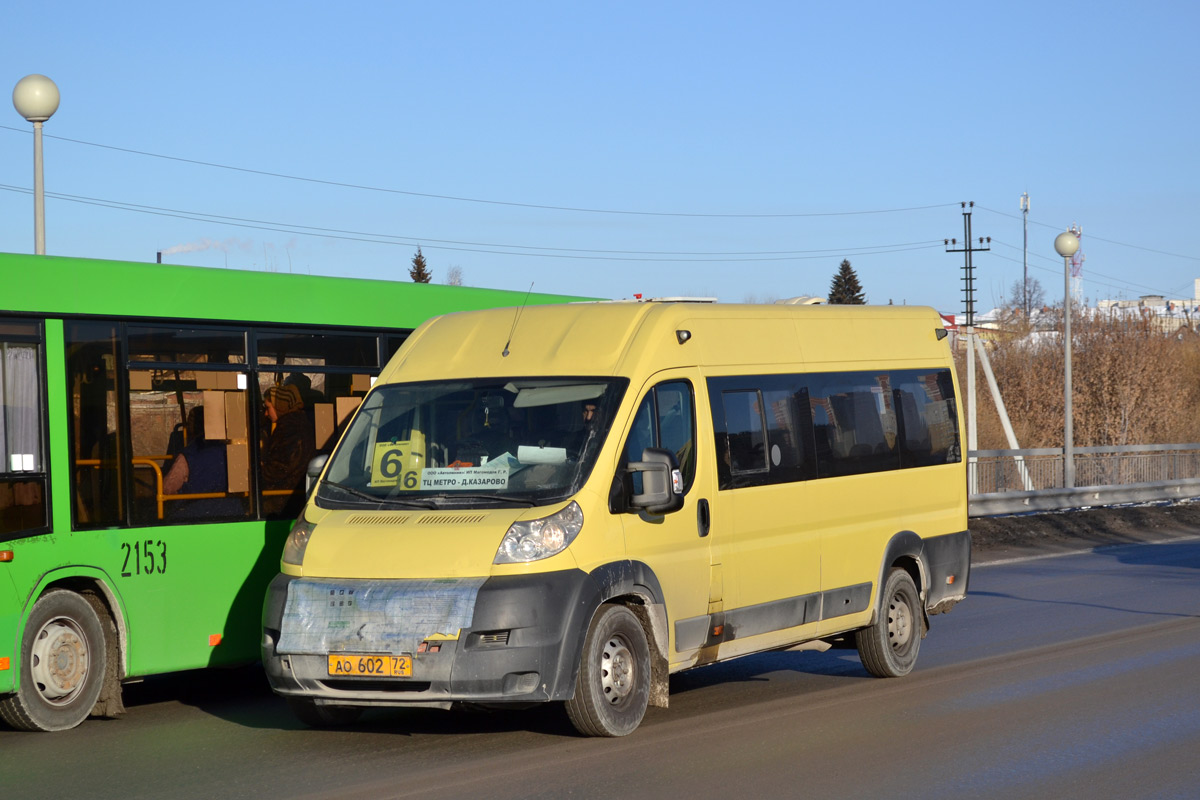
[[110, 704]]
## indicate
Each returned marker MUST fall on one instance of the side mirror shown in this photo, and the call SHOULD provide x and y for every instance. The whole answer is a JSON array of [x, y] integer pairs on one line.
[[314, 470], [662, 482]]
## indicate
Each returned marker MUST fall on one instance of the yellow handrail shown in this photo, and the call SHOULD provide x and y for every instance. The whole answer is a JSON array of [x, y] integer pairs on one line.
[[160, 498]]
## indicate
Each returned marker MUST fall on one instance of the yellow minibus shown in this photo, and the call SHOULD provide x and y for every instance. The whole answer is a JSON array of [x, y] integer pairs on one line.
[[570, 503]]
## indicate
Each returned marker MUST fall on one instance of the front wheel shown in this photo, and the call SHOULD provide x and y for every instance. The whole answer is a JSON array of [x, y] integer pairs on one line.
[[62, 663], [613, 687], [888, 649]]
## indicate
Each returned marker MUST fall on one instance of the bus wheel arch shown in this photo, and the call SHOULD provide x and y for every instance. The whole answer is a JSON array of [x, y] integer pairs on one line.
[[634, 584], [95, 590], [612, 689], [889, 646], [63, 662]]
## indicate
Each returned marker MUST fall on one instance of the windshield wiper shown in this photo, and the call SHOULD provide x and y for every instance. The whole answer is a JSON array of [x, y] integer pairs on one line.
[[382, 501], [498, 498], [350, 490]]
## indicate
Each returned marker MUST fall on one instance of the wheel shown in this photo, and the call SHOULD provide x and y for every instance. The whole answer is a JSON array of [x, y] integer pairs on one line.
[[613, 687], [62, 663], [315, 716], [888, 648]]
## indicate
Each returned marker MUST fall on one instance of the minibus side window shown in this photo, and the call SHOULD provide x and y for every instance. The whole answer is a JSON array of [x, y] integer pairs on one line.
[[928, 423], [745, 433], [830, 424], [855, 423], [666, 419]]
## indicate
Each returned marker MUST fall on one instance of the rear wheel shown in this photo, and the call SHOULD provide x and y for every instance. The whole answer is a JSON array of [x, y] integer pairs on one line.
[[319, 716], [613, 687], [62, 663], [888, 648]]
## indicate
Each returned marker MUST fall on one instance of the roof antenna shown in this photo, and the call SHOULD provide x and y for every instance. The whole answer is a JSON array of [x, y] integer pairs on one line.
[[516, 319]]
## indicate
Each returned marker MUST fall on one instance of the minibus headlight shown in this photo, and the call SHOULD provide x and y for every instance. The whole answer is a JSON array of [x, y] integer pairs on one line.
[[536, 539], [297, 541]]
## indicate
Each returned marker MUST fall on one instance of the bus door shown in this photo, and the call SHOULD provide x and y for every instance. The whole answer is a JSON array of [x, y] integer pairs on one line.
[[678, 547], [772, 551]]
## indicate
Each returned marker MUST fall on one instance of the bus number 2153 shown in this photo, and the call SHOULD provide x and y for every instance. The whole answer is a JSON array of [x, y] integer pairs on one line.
[[144, 558]]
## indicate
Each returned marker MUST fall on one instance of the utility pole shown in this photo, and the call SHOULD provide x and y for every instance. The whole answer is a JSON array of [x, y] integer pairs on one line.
[[969, 312], [1025, 256]]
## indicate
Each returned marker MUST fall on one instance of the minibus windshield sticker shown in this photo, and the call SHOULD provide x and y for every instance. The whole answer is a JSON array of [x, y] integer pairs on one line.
[[489, 476], [396, 464]]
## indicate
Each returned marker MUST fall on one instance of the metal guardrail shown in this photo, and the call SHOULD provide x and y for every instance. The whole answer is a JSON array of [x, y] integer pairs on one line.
[[1016, 481]]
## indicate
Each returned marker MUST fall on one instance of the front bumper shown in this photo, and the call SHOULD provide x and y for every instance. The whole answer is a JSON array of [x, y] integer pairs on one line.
[[521, 645]]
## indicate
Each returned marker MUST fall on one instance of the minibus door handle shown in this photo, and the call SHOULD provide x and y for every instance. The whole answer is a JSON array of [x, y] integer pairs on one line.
[[702, 518]]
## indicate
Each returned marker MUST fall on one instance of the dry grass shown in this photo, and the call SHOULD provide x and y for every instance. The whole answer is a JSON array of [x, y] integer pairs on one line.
[[1132, 384]]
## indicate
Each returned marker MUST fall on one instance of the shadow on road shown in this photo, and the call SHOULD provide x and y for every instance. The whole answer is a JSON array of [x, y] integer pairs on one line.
[[1184, 555], [243, 697]]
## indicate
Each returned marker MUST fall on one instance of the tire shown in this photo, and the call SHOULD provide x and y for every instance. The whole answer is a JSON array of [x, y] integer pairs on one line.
[[63, 660], [315, 716], [888, 649], [613, 686]]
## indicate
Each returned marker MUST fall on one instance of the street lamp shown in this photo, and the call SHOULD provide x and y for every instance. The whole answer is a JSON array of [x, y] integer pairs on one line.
[[36, 99], [1066, 244]]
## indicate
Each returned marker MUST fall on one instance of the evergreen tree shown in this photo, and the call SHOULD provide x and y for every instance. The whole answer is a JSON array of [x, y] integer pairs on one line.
[[418, 272], [845, 289]]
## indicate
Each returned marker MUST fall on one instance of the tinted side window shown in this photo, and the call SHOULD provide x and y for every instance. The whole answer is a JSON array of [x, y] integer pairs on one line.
[[783, 428], [745, 432], [855, 423], [928, 423]]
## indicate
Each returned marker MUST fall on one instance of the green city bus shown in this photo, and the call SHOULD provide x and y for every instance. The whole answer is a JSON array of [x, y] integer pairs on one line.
[[155, 428]]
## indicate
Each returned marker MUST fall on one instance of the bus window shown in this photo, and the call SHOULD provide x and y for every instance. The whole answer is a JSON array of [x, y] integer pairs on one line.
[[665, 419], [23, 471], [188, 424], [92, 358], [286, 440], [309, 384], [855, 420], [187, 345], [311, 347], [189, 431], [746, 432]]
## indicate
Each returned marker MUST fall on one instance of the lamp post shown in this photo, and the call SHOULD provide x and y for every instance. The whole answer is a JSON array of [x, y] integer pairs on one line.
[[1066, 244], [36, 99]]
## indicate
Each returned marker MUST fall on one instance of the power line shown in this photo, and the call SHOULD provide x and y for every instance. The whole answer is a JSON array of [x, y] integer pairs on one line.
[[1058, 273], [480, 247], [1091, 272], [1098, 238], [544, 207]]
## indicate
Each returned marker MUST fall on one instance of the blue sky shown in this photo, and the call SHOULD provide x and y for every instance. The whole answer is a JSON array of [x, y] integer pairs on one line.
[[757, 144]]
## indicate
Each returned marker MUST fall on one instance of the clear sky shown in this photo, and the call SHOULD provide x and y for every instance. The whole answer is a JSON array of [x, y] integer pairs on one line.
[[736, 150]]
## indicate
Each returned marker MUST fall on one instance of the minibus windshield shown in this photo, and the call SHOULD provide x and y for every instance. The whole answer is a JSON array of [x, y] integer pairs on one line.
[[482, 442]]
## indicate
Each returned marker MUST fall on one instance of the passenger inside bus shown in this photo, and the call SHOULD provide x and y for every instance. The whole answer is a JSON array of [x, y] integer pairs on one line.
[[199, 468], [285, 450]]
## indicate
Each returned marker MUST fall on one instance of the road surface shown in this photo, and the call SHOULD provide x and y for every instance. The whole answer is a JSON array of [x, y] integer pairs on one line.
[[1071, 676]]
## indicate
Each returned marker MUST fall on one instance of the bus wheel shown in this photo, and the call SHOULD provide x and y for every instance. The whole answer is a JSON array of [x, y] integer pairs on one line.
[[888, 648], [62, 665], [613, 687], [315, 716]]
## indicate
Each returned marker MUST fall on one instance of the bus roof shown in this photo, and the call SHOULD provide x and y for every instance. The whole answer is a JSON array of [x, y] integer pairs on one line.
[[639, 338], [86, 286]]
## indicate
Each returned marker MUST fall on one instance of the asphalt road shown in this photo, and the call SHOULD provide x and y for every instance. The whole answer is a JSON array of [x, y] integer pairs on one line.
[[1071, 676]]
